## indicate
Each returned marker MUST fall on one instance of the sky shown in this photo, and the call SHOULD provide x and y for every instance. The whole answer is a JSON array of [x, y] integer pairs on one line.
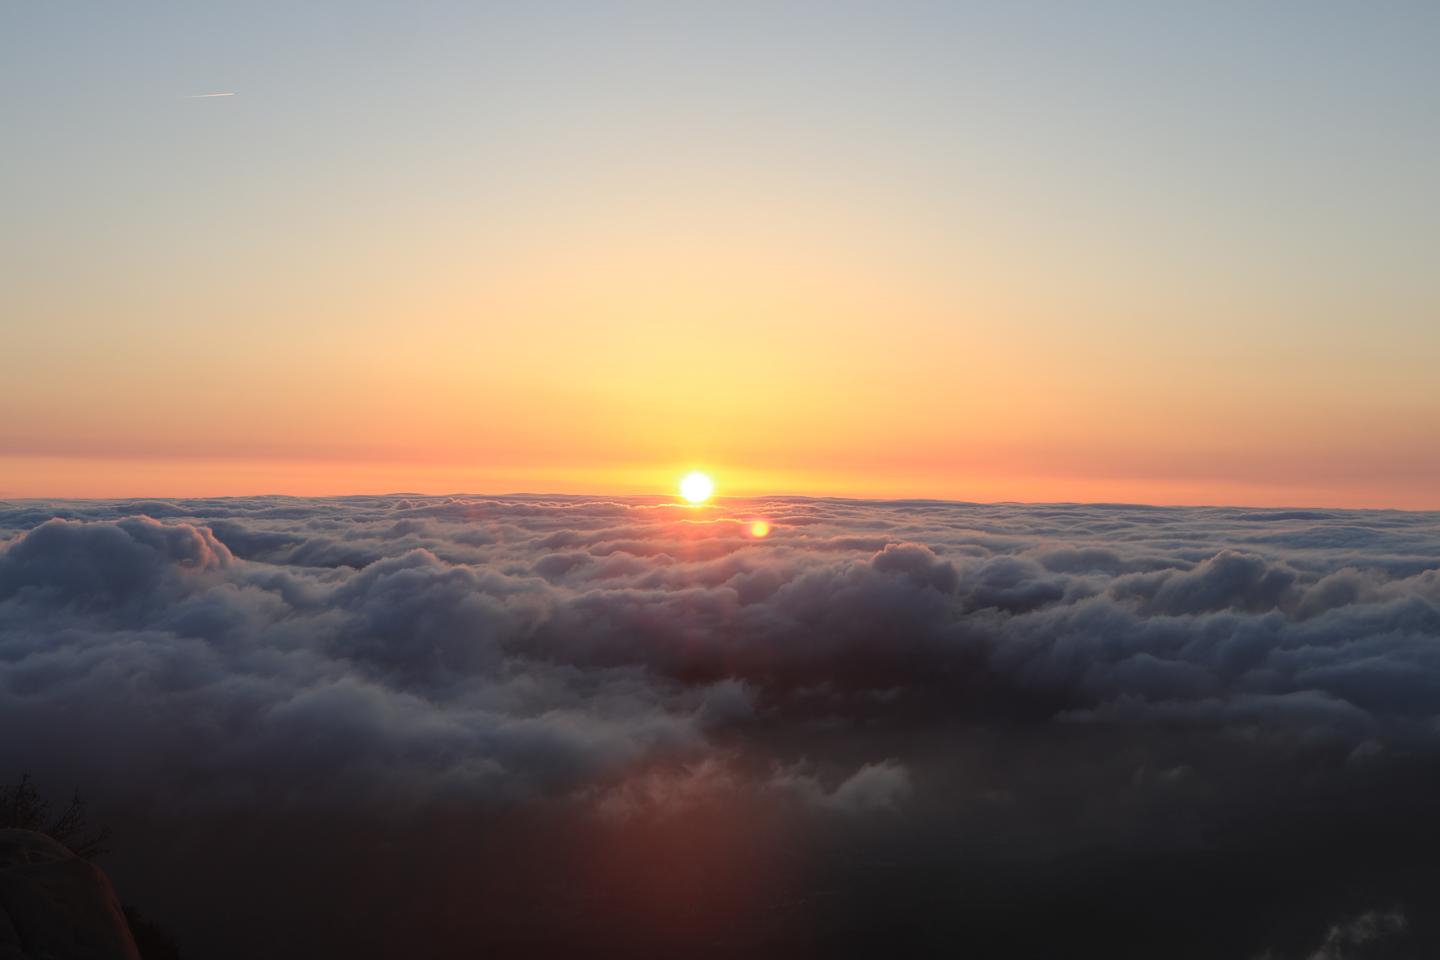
[[1148, 252]]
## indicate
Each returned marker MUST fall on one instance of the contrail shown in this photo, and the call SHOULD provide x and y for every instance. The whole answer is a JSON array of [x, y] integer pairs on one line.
[[202, 96]]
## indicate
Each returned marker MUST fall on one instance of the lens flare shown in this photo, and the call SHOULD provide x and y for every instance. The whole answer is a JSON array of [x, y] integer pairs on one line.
[[760, 529], [696, 487]]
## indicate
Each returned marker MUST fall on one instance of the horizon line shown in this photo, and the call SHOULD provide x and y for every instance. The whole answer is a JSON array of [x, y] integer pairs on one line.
[[664, 497]]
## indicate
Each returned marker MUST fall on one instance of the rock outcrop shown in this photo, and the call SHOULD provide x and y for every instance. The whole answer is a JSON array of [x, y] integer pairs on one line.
[[55, 906]]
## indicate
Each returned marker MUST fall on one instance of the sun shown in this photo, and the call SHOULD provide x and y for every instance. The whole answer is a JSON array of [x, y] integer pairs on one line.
[[696, 487]]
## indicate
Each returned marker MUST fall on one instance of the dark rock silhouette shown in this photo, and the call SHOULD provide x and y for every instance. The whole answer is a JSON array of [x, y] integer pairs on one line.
[[56, 906]]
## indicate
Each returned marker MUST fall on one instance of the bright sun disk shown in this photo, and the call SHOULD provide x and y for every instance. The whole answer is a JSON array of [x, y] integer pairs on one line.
[[696, 487]]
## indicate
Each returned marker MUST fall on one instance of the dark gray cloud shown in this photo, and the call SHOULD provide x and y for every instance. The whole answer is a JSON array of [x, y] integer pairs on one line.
[[1066, 708]]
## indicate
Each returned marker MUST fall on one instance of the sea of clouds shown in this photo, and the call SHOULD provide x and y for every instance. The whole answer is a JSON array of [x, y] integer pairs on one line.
[[1100, 730]]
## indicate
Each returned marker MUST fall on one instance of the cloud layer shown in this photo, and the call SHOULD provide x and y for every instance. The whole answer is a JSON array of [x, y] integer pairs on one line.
[[941, 717]]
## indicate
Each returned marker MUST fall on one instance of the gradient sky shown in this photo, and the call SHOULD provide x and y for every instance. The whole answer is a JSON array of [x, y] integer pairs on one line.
[[1157, 252]]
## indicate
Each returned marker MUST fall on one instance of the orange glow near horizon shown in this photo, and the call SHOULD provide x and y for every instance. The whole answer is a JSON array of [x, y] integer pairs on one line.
[[874, 379], [944, 402], [169, 477]]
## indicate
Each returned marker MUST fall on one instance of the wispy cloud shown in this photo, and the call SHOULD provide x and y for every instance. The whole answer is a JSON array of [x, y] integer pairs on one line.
[[206, 96]]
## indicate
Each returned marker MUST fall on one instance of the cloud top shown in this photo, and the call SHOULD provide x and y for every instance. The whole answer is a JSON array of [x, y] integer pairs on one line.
[[1022, 683]]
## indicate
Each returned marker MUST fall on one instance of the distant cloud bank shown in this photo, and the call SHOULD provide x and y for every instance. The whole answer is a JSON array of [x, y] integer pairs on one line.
[[1179, 732]]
